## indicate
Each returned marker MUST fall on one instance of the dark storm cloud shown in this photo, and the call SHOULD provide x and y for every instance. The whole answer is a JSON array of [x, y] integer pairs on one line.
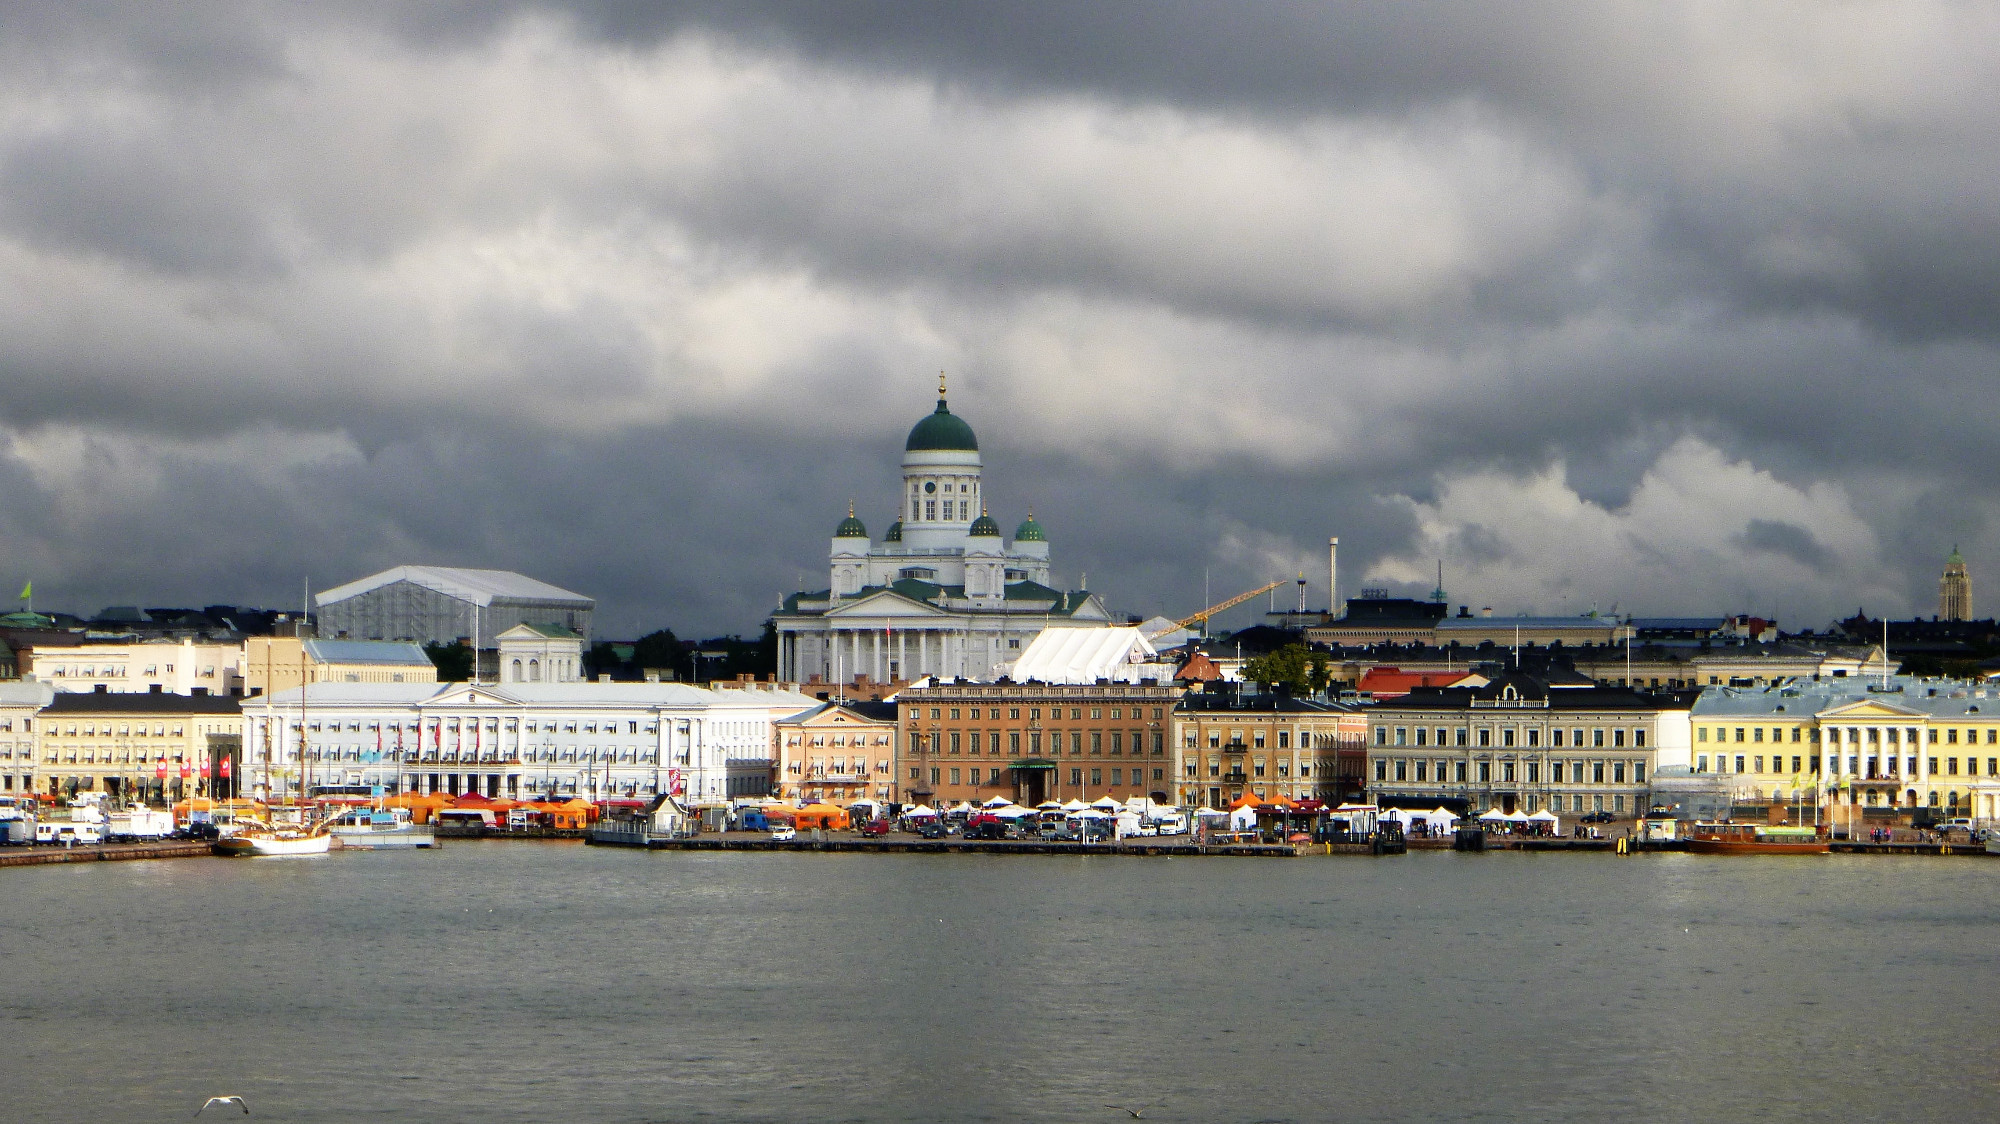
[[1682, 308]]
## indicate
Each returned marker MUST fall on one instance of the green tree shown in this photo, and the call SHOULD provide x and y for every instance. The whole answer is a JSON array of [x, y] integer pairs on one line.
[[453, 661], [660, 649], [1285, 669]]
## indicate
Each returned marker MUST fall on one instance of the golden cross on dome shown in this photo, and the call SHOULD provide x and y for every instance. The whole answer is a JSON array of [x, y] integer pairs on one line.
[[940, 384]]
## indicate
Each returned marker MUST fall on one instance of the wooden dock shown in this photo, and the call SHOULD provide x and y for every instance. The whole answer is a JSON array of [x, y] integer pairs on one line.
[[103, 852]]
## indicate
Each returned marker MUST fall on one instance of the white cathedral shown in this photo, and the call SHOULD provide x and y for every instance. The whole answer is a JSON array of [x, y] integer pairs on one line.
[[941, 593]]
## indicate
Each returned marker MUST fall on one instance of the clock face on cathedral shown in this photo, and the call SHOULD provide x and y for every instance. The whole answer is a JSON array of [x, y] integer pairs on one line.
[[954, 595]]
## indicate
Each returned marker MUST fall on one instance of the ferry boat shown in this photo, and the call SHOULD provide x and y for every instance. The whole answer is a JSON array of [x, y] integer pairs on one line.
[[1755, 839], [380, 828]]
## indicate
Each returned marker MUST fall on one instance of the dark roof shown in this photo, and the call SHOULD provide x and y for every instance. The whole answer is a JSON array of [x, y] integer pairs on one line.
[[874, 710], [132, 702]]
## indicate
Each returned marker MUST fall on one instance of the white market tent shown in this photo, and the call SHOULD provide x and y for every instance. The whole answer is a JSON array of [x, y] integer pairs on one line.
[[997, 802], [1444, 815], [1493, 815], [921, 812], [1207, 813], [1244, 818], [1091, 814], [1049, 806], [1074, 654], [1074, 805], [1545, 816], [1517, 817], [961, 806], [1106, 804], [1010, 812]]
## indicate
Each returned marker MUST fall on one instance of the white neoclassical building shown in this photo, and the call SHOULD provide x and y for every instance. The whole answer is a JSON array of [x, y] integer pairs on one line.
[[941, 592], [517, 740]]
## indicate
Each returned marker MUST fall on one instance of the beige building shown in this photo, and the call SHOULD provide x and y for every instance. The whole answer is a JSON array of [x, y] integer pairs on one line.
[[836, 752], [20, 704], [177, 667], [278, 663], [1267, 746], [150, 747], [1520, 744]]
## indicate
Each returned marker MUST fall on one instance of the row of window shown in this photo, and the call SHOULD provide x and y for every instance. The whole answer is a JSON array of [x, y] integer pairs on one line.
[[1854, 735], [968, 742], [1305, 737], [123, 730], [1810, 763], [1509, 772], [1035, 713], [1257, 769], [1483, 737], [998, 776]]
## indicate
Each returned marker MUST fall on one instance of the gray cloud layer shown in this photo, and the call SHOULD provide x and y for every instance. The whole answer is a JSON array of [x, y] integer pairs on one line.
[[1688, 309]]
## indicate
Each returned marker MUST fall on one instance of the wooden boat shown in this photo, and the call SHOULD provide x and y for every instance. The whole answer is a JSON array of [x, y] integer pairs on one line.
[[256, 838], [1755, 839]]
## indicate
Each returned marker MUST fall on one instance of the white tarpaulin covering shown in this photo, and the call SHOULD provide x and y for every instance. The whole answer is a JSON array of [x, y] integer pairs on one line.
[[1067, 654]]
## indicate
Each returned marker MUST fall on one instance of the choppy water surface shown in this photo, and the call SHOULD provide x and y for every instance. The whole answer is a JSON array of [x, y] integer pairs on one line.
[[533, 982]]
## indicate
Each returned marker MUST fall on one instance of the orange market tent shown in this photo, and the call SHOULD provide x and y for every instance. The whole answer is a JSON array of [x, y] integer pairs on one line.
[[422, 808], [1281, 801], [1247, 800], [829, 816]]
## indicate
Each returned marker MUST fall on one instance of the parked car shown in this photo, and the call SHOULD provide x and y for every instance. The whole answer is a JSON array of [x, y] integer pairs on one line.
[[986, 827], [931, 829], [875, 828], [784, 834], [1597, 817]]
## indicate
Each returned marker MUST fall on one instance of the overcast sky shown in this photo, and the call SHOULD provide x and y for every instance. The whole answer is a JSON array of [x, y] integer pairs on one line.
[[1686, 308]]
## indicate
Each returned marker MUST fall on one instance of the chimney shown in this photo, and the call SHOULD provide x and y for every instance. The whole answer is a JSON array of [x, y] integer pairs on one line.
[[1486, 611], [604, 677], [154, 688], [652, 677], [103, 689], [1333, 576]]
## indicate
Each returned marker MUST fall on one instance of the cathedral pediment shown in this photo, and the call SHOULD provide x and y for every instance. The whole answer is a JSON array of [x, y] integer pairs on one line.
[[1871, 708], [885, 603]]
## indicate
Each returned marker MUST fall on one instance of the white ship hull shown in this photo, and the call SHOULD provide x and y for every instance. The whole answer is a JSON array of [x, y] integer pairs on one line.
[[260, 844]]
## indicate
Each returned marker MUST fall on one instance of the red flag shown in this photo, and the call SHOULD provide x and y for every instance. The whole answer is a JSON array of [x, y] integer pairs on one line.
[[206, 765], [225, 767], [160, 768], [187, 769]]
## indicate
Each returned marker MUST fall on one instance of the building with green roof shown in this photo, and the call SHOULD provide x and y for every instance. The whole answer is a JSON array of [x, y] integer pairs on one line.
[[954, 595]]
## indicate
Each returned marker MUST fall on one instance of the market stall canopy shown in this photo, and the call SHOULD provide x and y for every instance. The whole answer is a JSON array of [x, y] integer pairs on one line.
[[962, 806], [997, 802], [1049, 806], [1517, 816], [1012, 812], [1247, 800], [921, 812], [1074, 805], [1493, 815], [1106, 804], [1206, 812], [1441, 814]]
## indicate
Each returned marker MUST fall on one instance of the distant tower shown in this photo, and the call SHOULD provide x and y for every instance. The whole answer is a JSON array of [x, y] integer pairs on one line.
[[1955, 589]]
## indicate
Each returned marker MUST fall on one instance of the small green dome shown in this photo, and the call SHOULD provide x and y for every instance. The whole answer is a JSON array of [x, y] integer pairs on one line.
[[895, 532], [984, 525], [850, 527], [942, 430], [1029, 530]]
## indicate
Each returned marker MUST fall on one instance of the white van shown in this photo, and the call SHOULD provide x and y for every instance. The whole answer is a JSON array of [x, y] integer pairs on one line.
[[57, 831]]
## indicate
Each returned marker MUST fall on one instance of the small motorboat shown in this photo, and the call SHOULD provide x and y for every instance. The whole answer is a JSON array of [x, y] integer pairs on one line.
[[372, 829]]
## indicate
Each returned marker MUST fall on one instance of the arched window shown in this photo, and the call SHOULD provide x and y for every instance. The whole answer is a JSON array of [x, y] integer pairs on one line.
[[534, 671], [517, 671]]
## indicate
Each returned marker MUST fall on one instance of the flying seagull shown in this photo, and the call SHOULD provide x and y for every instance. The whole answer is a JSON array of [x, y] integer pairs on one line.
[[1137, 1113], [239, 1102]]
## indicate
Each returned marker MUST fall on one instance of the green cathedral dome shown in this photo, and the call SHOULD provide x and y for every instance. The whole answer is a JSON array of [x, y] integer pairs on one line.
[[894, 533], [850, 527], [984, 525], [941, 431], [1029, 530]]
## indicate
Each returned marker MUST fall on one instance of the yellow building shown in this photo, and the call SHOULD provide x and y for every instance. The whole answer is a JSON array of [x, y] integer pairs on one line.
[[1907, 744], [1267, 746], [278, 663], [154, 747]]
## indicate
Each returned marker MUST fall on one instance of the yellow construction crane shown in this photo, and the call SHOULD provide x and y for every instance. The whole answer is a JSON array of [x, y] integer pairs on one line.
[[1201, 618]]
